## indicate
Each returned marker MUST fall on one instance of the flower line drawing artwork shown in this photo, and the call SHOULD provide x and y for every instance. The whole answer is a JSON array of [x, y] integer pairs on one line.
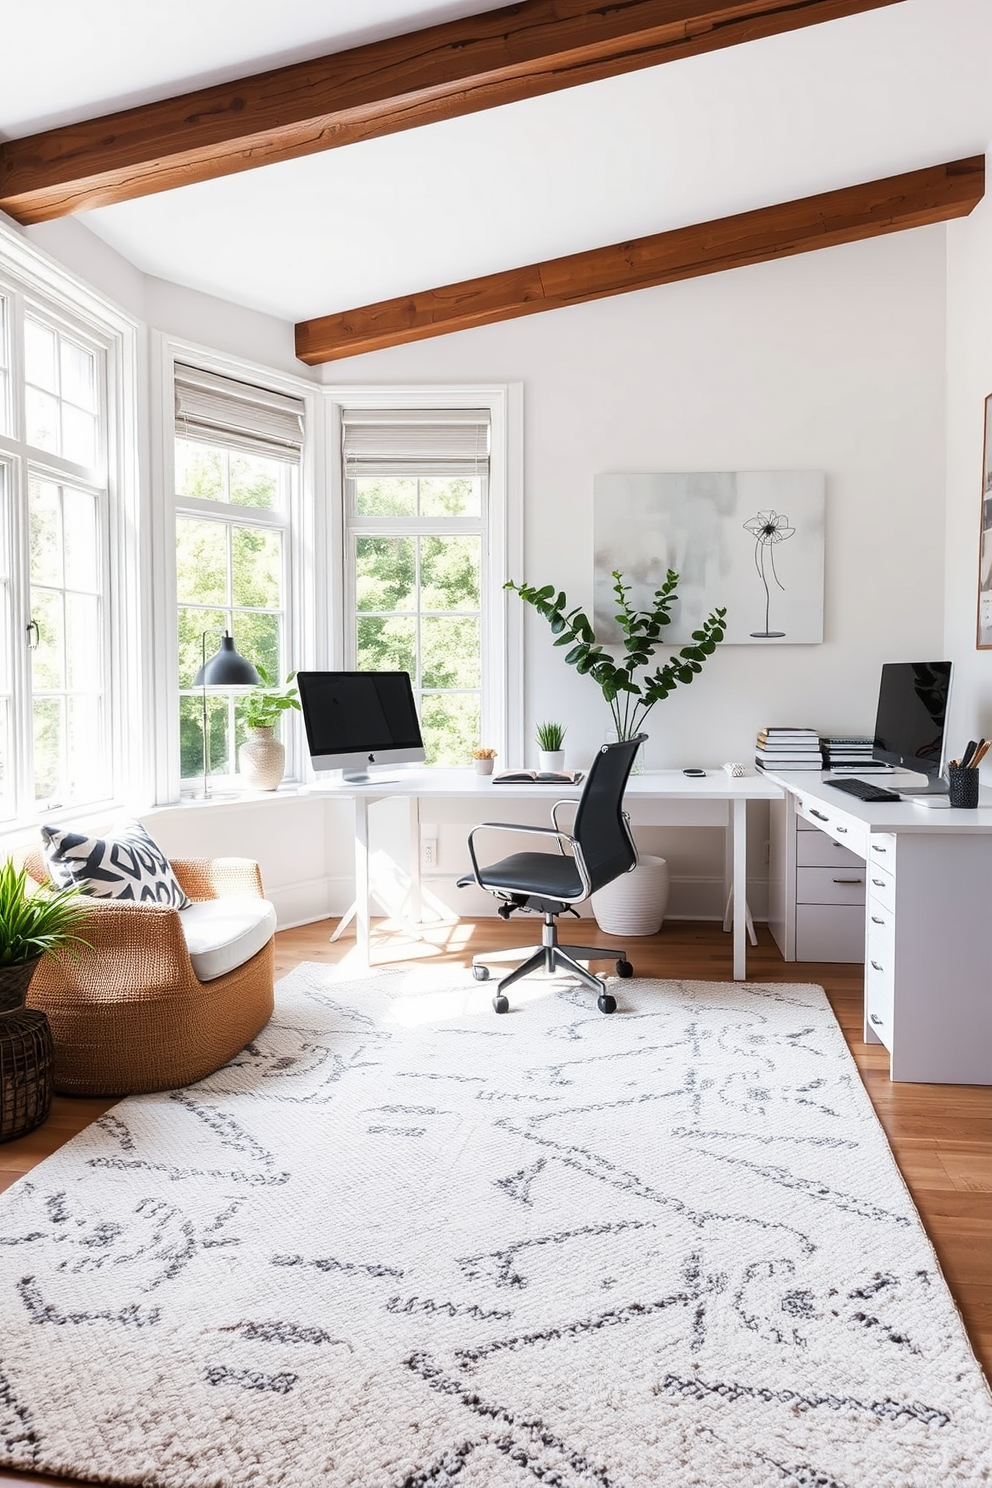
[[767, 529]]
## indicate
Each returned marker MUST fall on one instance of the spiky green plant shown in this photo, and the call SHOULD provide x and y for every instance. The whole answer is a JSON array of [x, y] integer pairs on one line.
[[550, 736], [630, 698], [37, 923]]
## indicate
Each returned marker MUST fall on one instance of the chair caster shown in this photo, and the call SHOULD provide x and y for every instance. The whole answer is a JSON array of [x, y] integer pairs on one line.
[[501, 1004], [606, 1003], [481, 973], [624, 969]]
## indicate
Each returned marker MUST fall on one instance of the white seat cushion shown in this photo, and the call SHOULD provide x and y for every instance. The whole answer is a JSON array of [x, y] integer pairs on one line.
[[222, 934]]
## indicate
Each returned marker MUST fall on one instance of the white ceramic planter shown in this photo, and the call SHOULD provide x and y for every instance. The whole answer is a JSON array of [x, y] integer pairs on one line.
[[634, 903], [262, 759], [551, 759]]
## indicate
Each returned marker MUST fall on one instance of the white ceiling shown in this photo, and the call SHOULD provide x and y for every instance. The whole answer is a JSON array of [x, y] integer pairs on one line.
[[848, 101]]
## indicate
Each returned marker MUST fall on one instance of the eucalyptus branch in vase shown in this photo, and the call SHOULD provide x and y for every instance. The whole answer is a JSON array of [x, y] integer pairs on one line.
[[630, 698]]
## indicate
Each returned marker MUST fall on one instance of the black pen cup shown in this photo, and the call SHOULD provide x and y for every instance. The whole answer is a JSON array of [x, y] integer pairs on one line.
[[963, 785]]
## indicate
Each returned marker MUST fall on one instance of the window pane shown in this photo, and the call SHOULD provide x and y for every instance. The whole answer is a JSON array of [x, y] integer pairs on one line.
[[80, 524], [257, 638], [450, 651], [47, 666], [385, 573], [385, 496], [6, 760], [78, 435], [200, 471], [40, 366], [455, 497], [190, 737], [218, 710], [82, 642], [78, 376], [450, 573], [46, 536], [451, 724], [41, 413], [48, 739], [386, 645], [201, 561], [256, 481], [86, 777], [256, 567], [194, 625]]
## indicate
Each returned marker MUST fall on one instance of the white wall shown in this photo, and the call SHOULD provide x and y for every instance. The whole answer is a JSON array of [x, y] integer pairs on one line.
[[969, 383], [831, 361]]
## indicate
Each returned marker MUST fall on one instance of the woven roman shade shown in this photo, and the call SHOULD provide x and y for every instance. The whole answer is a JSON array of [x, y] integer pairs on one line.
[[415, 441], [237, 415]]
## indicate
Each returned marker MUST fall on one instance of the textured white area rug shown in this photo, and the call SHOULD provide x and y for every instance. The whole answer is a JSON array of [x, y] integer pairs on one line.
[[402, 1242]]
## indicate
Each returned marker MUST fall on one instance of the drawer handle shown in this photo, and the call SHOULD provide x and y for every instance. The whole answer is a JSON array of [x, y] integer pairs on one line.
[[818, 814], [879, 883], [876, 848], [876, 921], [877, 967], [874, 1018], [840, 829], [848, 880]]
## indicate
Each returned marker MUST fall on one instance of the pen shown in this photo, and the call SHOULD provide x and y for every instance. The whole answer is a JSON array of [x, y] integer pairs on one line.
[[980, 752], [966, 757]]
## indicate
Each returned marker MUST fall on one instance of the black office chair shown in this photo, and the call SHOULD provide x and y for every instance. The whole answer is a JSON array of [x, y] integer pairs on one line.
[[553, 882]]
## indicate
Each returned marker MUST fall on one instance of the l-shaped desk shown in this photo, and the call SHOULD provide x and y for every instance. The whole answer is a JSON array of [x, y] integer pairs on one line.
[[658, 797], [928, 918]]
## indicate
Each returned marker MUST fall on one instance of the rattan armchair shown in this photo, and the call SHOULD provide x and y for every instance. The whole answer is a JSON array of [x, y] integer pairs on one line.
[[130, 1014]]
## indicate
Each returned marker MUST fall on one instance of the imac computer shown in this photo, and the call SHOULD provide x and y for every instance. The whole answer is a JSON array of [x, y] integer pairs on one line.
[[909, 724], [359, 721]]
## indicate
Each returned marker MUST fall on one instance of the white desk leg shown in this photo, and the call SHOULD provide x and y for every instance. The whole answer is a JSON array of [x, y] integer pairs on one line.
[[416, 888], [740, 889], [362, 877]]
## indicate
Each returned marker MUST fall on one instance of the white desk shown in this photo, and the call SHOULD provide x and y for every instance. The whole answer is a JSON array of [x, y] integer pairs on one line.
[[715, 799], [928, 925]]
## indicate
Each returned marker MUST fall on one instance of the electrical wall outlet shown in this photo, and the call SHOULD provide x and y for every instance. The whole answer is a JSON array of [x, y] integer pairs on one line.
[[428, 851]]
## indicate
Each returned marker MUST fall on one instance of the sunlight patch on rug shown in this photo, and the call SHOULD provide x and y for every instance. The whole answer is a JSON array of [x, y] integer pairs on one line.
[[401, 1242]]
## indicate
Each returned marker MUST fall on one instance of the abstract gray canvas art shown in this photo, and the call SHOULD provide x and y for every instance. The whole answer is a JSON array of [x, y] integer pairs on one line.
[[750, 540]]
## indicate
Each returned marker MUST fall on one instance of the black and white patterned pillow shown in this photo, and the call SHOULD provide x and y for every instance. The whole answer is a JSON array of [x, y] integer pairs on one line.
[[127, 865]]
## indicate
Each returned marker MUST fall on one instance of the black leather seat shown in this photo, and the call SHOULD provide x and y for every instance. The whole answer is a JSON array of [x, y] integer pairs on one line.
[[600, 848]]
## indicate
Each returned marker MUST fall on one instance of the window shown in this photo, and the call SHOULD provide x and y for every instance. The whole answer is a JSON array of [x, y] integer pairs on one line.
[[237, 459], [65, 552], [423, 573]]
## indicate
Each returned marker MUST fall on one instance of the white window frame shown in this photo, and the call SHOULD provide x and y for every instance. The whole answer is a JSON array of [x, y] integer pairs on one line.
[[31, 281], [502, 629], [299, 547]]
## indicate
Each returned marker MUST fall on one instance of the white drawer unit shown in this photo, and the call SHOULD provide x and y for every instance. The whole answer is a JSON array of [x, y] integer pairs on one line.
[[829, 889], [926, 922]]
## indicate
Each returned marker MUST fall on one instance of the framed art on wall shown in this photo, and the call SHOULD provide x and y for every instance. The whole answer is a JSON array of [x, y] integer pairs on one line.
[[984, 641], [749, 540]]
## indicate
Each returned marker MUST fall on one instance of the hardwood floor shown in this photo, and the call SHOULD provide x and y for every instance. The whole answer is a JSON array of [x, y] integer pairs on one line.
[[941, 1134]]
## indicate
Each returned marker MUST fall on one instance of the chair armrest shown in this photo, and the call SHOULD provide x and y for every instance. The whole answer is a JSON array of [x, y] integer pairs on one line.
[[216, 878], [560, 838], [137, 953]]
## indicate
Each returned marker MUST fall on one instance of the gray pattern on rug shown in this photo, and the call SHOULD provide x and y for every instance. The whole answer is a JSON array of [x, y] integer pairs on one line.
[[399, 1242]]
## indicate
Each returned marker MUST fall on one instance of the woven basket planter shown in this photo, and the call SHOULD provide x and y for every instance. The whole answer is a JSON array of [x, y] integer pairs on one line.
[[26, 1058]]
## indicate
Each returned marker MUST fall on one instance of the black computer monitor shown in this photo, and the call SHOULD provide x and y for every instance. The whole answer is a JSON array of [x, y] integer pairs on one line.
[[358, 721], [910, 721]]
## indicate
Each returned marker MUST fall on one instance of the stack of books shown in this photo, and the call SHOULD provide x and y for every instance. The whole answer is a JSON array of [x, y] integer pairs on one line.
[[788, 749], [848, 752]]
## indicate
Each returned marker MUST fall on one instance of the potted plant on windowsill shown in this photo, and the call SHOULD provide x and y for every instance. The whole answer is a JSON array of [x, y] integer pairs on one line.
[[262, 759]]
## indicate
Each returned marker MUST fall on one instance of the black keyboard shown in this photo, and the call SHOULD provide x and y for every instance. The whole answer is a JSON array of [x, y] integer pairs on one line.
[[864, 790]]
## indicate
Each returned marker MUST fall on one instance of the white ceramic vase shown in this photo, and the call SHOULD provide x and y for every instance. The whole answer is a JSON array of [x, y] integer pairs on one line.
[[634, 903], [552, 760], [484, 766], [262, 760]]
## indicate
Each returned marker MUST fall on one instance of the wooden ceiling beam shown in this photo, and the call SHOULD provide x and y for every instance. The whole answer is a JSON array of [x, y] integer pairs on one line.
[[915, 199], [442, 72]]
